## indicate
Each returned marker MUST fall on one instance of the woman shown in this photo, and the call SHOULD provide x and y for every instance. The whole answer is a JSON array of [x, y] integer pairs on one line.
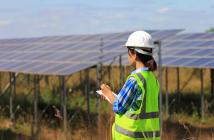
[[136, 107]]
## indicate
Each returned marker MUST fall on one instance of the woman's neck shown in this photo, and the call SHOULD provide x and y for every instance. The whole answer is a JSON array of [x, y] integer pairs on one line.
[[139, 65]]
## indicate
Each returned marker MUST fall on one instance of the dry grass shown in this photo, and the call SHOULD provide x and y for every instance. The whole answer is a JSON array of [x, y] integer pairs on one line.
[[171, 131], [189, 80], [178, 127], [183, 131]]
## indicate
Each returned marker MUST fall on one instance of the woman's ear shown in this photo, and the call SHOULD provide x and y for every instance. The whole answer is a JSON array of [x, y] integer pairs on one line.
[[134, 55]]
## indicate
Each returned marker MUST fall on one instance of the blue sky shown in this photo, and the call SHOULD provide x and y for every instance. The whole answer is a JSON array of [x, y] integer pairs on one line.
[[32, 18]]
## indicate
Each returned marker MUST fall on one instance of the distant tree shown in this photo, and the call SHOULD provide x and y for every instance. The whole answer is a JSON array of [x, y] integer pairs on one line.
[[210, 30], [211, 70]]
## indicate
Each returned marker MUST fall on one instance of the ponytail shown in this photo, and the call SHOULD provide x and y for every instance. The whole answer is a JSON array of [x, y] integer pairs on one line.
[[148, 61], [151, 64]]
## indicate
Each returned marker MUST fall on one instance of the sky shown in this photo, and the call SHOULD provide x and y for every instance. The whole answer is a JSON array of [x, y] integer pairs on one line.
[[36, 18]]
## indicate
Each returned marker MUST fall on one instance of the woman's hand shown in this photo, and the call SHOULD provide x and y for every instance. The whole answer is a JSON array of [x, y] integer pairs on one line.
[[103, 97], [107, 92]]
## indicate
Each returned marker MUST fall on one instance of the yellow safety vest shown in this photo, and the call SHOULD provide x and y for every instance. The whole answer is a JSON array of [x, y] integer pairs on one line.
[[144, 123]]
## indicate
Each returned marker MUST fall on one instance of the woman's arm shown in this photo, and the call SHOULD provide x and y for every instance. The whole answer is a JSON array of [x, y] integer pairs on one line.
[[125, 98]]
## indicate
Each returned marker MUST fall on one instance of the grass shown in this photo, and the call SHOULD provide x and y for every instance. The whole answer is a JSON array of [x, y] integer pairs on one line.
[[192, 120], [184, 109]]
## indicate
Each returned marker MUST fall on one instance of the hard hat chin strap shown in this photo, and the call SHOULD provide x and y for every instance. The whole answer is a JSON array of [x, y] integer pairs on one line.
[[143, 52]]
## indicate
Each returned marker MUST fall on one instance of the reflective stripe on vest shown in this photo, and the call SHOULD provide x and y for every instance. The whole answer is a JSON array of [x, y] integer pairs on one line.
[[148, 134], [143, 114]]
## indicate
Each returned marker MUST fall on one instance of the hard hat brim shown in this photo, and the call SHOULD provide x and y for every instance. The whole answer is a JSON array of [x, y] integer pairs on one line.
[[141, 47]]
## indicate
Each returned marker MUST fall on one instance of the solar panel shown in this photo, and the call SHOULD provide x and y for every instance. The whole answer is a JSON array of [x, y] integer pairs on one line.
[[193, 36], [209, 64], [74, 68], [116, 36], [185, 52], [115, 60], [172, 44], [208, 36], [199, 62], [164, 34], [166, 60], [51, 69], [188, 50], [63, 55], [207, 44], [9, 66], [179, 62], [184, 44], [59, 56], [211, 54], [112, 45], [201, 52], [28, 66]]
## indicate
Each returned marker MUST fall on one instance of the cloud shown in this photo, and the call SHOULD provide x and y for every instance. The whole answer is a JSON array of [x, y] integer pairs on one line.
[[164, 10], [4, 23]]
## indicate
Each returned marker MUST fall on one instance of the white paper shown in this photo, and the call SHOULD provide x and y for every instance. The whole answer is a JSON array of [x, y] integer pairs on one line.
[[101, 93]]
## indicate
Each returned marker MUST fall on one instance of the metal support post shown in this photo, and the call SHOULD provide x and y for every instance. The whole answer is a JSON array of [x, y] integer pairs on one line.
[[8, 85], [87, 90], [98, 77], [202, 96], [46, 78], [35, 128], [63, 102], [178, 85], [99, 73], [109, 73], [178, 80], [28, 79], [121, 71], [166, 94], [80, 76], [61, 99], [158, 43], [125, 73], [212, 84], [0, 83], [12, 94]]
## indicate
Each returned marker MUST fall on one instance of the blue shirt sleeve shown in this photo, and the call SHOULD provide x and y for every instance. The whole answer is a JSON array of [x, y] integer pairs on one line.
[[126, 96]]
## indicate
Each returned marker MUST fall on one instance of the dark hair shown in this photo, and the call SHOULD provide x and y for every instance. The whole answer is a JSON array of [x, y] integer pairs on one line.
[[148, 61]]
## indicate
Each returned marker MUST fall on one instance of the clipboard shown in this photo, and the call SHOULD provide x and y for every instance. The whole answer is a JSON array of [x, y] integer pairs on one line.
[[101, 93]]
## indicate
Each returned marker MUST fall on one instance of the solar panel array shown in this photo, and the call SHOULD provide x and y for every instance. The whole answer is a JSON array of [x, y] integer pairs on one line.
[[189, 50], [185, 50], [64, 55]]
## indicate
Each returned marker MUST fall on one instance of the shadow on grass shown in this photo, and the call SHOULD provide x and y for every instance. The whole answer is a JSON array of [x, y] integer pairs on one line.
[[10, 135], [190, 103], [178, 131]]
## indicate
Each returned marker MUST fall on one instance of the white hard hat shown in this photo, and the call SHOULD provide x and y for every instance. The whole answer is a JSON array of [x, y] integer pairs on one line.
[[140, 40]]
